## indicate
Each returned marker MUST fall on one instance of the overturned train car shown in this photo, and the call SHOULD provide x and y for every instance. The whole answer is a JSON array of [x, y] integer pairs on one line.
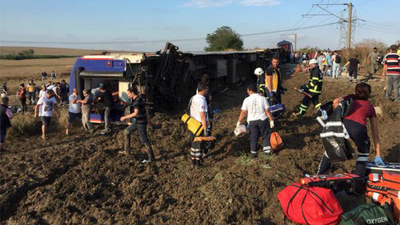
[[165, 79]]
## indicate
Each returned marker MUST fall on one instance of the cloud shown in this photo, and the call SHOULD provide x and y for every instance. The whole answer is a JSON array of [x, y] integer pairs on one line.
[[221, 3], [259, 2], [207, 3]]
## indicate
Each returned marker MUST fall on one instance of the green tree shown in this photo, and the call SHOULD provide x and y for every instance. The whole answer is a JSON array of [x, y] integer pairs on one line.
[[224, 38]]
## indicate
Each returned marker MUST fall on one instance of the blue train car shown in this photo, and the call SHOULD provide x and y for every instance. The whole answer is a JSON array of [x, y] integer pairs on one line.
[[115, 71]]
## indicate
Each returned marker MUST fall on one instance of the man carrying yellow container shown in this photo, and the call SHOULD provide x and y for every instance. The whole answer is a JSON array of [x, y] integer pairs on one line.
[[198, 111]]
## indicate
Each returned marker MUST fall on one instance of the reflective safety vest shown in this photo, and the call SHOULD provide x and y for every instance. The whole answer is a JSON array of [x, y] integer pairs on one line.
[[315, 83], [263, 83]]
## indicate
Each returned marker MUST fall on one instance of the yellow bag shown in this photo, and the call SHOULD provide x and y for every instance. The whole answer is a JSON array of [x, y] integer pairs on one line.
[[193, 125]]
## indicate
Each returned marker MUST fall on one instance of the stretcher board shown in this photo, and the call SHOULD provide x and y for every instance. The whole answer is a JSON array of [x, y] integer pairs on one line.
[[390, 167]]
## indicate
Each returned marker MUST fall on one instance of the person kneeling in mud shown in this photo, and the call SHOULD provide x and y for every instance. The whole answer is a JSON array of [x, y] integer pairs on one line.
[[139, 118], [356, 125], [256, 108]]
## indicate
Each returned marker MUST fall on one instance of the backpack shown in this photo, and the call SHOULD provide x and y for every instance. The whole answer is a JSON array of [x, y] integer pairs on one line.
[[369, 214], [310, 205], [275, 141], [338, 59]]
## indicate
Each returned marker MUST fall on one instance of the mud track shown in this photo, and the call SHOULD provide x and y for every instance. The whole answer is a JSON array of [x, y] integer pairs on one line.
[[82, 179]]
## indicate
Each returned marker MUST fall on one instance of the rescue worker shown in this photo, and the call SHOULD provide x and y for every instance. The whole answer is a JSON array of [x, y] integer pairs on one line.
[[356, 125], [314, 88], [139, 113], [256, 108], [198, 111], [258, 72], [271, 84]]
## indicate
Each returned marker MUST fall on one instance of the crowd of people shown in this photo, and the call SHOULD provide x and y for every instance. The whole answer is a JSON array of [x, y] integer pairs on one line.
[[267, 91]]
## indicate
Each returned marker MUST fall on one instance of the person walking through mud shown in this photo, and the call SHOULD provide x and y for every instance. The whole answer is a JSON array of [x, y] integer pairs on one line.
[[138, 113], [22, 98], [198, 110], [86, 110], [74, 110], [354, 67], [256, 108], [372, 60], [356, 125], [314, 88], [106, 97], [5, 117], [44, 108], [271, 83]]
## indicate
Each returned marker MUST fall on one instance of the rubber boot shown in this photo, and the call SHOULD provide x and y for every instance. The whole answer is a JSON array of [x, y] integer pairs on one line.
[[150, 153]]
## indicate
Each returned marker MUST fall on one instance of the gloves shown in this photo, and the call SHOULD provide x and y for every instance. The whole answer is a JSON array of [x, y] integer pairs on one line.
[[271, 94], [238, 124], [271, 124], [303, 87], [379, 161]]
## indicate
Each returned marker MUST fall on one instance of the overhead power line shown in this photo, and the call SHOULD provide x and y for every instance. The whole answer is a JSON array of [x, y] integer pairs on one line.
[[155, 41]]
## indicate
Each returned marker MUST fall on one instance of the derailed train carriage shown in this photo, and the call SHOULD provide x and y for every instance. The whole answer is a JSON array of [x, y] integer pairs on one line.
[[165, 79]]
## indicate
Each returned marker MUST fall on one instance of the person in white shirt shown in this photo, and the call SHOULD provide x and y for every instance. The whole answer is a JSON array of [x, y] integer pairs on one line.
[[198, 111], [256, 108], [74, 110], [44, 108]]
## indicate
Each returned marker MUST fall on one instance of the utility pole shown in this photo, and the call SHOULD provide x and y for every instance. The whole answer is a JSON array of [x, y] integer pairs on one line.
[[348, 41], [295, 42], [342, 21]]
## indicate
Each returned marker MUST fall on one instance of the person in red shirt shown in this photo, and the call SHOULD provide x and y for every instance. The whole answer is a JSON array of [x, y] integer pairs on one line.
[[356, 125], [22, 98]]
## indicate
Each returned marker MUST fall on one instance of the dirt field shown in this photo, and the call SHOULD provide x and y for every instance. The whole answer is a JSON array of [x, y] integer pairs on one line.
[[82, 179]]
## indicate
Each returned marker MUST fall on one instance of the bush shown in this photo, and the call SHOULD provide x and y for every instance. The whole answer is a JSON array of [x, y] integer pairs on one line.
[[27, 124], [23, 124], [22, 55], [363, 49]]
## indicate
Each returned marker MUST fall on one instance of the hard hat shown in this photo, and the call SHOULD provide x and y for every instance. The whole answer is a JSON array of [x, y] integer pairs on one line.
[[258, 71], [313, 61]]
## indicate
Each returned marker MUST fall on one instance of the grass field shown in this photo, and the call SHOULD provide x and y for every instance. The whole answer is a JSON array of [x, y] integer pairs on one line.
[[15, 72]]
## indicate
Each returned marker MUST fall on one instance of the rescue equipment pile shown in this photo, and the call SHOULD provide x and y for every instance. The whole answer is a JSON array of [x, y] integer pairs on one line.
[[313, 199]]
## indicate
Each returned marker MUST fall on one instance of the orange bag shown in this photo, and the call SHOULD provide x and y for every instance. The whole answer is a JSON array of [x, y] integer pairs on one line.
[[275, 141]]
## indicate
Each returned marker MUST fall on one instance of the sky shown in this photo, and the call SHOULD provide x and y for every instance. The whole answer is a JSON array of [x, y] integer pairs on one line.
[[145, 25]]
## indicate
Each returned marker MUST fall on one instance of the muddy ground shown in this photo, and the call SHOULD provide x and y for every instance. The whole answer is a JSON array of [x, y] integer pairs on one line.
[[82, 179]]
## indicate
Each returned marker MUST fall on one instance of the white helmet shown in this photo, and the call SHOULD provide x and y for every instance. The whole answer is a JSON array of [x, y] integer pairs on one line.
[[258, 71]]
